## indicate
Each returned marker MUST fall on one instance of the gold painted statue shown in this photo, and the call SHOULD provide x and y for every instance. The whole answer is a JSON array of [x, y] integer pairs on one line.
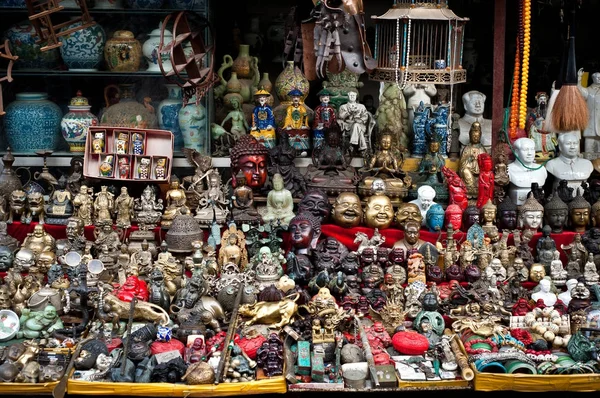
[[379, 211], [233, 248], [468, 168], [84, 203], [39, 241], [385, 163], [176, 200], [103, 207], [124, 209]]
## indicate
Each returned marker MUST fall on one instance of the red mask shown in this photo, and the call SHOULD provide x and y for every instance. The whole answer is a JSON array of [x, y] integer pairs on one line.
[[254, 168]]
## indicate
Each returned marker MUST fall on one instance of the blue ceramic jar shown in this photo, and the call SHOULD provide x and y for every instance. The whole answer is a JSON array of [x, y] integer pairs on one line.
[[32, 123]]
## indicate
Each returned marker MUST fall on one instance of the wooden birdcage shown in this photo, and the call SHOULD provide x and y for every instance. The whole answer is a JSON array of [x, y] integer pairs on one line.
[[419, 42]]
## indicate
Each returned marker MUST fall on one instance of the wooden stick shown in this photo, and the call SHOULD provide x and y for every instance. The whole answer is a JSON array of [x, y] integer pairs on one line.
[[309, 59]]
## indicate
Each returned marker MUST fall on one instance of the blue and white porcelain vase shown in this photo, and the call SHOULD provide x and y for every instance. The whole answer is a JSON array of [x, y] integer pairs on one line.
[[193, 125], [13, 3], [22, 41], [32, 123], [168, 114], [150, 51], [83, 50], [75, 124]]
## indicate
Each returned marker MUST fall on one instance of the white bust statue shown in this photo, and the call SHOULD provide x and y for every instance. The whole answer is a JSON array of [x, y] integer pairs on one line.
[[425, 195], [565, 296], [568, 165], [544, 293], [474, 104], [522, 173], [591, 94]]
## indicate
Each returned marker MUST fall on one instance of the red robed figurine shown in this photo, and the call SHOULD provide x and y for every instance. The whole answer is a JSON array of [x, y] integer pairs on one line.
[[486, 179]]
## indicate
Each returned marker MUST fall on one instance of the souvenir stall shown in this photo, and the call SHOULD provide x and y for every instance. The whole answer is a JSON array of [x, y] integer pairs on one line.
[[244, 236]]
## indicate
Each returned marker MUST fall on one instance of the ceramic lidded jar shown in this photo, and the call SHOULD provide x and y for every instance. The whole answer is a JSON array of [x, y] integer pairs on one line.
[[32, 123], [168, 114], [22, 40], [123, 52], [83, 50], [150, 51], [75, 124]]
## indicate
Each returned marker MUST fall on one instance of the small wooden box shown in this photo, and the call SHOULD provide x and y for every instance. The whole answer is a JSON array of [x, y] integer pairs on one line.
[[157, 144]]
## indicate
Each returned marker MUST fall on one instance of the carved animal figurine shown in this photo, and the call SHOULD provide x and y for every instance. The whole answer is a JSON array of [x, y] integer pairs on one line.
[[275, 314], [19, 207], [144, 311], [36, 203], [199, 373], [29, 374]]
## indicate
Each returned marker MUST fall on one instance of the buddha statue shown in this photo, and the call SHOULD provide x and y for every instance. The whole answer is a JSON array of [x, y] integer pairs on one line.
[[281, 160], [507, 215], [330, 169], [347, 210], [471, 216], [531, 214], [435, 218], [39, 241], [579, 214], [233, 248], [305, 230], [280, 203], [385, 163], [243, 210], [60, 207], [213, 201], [468, 168], [431, 167], [453, 216], [408, 212], [250, 156], [176, 201], [545, 248], [555, 213], [488, 216], [379, 211]]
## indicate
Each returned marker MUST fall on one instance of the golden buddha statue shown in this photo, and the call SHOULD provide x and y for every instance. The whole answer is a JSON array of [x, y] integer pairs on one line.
[[39, 241], [379, 211], [385, 163], [176, 201], [468, 168], [233, 248]]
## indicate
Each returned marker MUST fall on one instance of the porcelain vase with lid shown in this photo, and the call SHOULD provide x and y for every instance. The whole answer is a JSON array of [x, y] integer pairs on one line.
[[22, 40], [150, 50], [168, 114], [193, 125], [75, 124], [83, 50], [123, 52], [32, 123]]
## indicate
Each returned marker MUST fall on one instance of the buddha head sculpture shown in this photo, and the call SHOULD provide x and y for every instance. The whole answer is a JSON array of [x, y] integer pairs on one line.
[[305, 230], [579, 214], [408, 212], [470, 217], [250, 156], [316, 202], [531, 214], [435, 217], [379, 212], [347, 210], [24, 259], [507, 215], [488, 213], [556, 213], [454, 216]]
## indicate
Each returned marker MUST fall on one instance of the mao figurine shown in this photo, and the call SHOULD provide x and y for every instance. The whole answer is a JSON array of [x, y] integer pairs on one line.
[[160, 170], [143, 169], [98, 142], [137, 140], [122, 143], [106, 167]]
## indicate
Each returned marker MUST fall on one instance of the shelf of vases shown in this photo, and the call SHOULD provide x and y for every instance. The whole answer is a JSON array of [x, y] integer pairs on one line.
[[63, 159]]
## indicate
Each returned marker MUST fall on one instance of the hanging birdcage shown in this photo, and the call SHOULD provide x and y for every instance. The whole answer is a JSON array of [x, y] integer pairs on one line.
[[419, 42]]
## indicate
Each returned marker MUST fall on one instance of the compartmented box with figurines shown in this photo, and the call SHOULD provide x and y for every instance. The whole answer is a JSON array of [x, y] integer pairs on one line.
[[118, 153]]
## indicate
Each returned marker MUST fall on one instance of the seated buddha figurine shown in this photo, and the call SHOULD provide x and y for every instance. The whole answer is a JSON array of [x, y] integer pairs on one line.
[[280, 203], [330, 169], [176, 200], [39, 241], [243, 210], [385, 163], [60, 207]]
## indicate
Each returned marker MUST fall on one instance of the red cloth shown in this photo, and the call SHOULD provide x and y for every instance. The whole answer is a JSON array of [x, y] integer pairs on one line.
[[392, 235]]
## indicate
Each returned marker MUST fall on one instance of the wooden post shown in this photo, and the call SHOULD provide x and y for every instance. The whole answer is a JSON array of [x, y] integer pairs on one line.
[[498, 73]]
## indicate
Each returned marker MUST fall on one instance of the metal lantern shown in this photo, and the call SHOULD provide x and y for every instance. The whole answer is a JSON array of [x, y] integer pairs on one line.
[[419, 42]]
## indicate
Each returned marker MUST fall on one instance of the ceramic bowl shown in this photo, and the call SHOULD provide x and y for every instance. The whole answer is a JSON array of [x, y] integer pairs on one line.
[[9, 325]]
